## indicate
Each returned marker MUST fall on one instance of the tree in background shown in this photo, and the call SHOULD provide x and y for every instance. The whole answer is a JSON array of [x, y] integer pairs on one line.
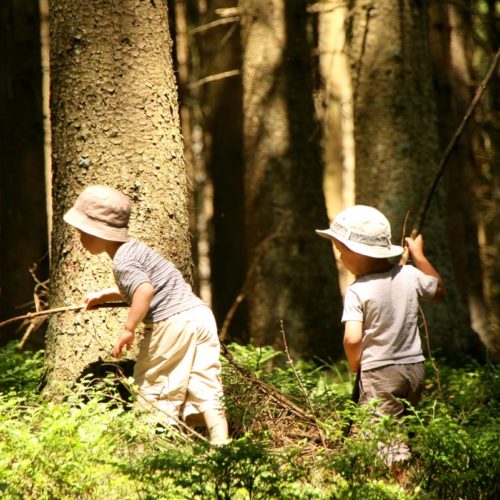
[[23, 218], [397, 143], [291, 272], [452, 50], [218, 46], [487, 150], [115, 122]]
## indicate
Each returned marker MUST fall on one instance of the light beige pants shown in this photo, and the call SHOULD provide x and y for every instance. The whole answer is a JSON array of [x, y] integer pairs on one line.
[[178, 368]]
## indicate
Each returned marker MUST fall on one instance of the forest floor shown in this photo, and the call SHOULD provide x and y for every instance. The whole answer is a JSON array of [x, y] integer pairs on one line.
[[296, 434]]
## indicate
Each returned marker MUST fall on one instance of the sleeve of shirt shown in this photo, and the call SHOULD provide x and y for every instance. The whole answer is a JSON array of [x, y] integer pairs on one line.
[[426, 285], [353, 308], [129, 275]]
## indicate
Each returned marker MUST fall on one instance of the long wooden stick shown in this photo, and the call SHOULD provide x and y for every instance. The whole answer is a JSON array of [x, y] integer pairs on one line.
[[454, 140], [417, 228], [58, 310]]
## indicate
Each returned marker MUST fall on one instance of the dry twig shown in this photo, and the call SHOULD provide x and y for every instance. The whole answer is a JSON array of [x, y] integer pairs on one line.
[[58, 310], [214, 78], [301, 385], [429, 353]]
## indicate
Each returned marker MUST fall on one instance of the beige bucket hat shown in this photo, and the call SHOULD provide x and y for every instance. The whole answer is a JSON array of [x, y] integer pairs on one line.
[[101, 211], [363, 230]]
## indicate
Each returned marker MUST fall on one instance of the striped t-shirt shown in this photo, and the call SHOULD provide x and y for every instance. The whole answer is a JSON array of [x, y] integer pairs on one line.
[[135, 263]]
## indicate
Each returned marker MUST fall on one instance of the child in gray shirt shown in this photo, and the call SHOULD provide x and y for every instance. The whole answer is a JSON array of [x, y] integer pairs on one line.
[[381, 336]]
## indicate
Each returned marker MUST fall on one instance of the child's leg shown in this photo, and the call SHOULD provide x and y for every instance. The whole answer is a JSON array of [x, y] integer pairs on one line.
[[385, 384], [163, 366], [389, 384], [204, 386]]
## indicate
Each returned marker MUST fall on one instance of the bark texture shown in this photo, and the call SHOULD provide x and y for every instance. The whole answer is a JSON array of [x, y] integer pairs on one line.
[[451, 50], [115, 122], [397, 144], [23, 227], [488, 154], [292, 275]]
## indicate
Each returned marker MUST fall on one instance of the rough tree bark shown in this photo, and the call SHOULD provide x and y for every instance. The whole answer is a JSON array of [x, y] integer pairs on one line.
[[397, 143], [292, 274], [488, 154], [452, 50], [114, 121], [23, 226]]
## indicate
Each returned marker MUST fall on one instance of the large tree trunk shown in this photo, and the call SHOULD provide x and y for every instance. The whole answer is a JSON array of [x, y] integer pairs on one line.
[[23, 227], [451, 51], [292, 275], [115, 122], [397, 144], [220, 53], [488, 155]]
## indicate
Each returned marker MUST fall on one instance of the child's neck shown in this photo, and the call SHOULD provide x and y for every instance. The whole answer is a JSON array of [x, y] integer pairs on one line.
[[371, 265], [112, 247]]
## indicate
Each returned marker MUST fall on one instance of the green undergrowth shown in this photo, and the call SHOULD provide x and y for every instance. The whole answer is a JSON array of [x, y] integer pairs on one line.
[[92, 445]]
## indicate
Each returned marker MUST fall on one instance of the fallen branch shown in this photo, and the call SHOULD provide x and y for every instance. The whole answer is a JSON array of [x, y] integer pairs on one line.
[[278, 397], [301, 385], [58, 310]]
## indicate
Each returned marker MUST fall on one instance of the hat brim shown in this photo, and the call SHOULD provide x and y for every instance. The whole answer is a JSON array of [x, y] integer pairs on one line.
[[78, 219], [376, 251]]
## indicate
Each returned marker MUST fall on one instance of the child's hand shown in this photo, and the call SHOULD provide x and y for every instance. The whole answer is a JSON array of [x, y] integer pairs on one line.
[[92, 299], [416, 246], [126, 339]]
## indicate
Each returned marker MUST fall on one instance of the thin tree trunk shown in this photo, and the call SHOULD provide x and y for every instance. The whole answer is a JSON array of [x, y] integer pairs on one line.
[[397, 144], [292, 274], [338, 139], [221, 100], [115, 122]]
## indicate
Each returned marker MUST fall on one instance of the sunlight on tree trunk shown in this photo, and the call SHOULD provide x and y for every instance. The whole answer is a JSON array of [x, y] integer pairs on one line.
[[47, 143], [115, 122], [338, 139]]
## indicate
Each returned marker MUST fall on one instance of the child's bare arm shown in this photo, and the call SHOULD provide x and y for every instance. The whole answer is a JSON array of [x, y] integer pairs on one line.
[[353, 335], [102, 296], [141, 302], [416, 248]]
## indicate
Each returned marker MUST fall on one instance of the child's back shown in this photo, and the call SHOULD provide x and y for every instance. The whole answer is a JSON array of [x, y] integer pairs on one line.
[[387, 304]]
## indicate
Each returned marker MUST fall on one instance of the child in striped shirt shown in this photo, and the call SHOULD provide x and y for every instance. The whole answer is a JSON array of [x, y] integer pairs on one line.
[[177, 369]]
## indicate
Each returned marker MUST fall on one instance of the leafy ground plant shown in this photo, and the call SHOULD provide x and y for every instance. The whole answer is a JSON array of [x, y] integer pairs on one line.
[[93, 446]]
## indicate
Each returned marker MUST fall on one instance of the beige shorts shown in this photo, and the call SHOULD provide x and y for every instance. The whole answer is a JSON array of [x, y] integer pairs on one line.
[[178, 367], [391, 383]]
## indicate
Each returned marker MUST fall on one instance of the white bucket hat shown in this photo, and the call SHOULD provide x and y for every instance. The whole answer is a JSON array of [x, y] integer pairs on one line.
[[101, 211], [363, 230]]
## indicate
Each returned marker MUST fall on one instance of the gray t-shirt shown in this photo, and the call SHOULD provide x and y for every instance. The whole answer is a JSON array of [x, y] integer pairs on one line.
[[135, 263], [387, 304]]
